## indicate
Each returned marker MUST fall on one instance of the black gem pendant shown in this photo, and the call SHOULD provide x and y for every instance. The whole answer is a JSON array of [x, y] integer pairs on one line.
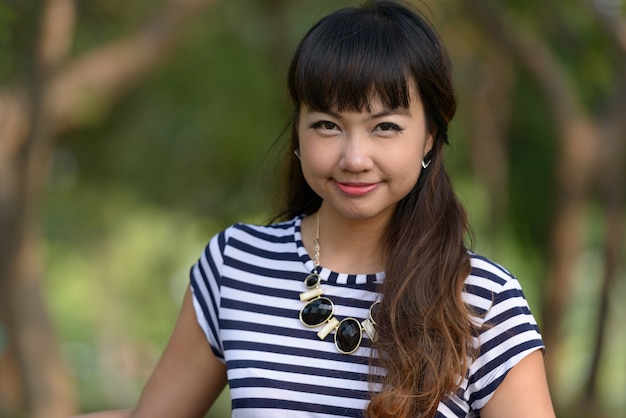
[[348, 335], [316, 312], [312, 280]]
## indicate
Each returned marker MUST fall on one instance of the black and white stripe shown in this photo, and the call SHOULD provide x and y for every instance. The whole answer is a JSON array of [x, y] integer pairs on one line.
[[246, 289]]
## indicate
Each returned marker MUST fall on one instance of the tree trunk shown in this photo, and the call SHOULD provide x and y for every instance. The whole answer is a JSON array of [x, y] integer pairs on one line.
[[612, 184], [578, 139], [491, 108], [32, 375], [611, 180]]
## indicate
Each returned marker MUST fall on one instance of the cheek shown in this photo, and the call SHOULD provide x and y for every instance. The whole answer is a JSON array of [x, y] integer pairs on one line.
[[315, 164], [404, 160], [317, 155], [305, 142], [410, 172], [315, 174], [312, 161], [403, 170]]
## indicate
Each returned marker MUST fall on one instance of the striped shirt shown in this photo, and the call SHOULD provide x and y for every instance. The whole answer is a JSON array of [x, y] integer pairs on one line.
[[246, 288]]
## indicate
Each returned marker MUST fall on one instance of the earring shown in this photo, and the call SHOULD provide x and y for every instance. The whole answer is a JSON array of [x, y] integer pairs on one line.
[[297, 154], [428, 158]]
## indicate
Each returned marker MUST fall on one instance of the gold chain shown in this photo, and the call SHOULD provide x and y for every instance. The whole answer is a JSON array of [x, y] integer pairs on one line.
[[312, 281], [316, 242]]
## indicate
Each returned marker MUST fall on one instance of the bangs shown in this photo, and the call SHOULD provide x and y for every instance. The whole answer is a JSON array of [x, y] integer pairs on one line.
[[345, 62]]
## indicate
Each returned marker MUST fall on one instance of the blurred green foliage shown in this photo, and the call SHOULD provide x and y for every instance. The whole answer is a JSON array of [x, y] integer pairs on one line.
[[7, 18], [138, 190], [532, 144], [135, 194]]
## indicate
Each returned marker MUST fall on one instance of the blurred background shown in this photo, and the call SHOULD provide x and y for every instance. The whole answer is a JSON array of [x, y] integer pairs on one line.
[[131, 132]]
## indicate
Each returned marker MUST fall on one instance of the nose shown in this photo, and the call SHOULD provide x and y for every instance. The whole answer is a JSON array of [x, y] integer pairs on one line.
[[356, 154]]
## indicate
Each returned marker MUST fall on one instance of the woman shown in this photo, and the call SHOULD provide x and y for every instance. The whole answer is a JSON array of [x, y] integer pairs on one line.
[[362, 300]]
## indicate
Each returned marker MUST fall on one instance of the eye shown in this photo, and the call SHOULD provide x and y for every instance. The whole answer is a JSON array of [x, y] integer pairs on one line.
[[324, 125], [388, 126]]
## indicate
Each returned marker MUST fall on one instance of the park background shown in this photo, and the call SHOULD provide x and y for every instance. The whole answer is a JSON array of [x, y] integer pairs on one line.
[[131, 132]]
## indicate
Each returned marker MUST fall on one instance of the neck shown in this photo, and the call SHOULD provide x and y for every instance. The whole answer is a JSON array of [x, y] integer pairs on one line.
[[351, 246]]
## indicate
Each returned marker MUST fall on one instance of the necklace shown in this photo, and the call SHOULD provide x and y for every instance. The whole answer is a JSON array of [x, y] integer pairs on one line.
[[319, 310]]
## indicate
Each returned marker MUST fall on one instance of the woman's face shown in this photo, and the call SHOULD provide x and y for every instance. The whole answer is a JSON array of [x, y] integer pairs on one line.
[[362, 163]]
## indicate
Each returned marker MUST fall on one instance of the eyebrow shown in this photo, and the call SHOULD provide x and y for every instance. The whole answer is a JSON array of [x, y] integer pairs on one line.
[[382, 114]]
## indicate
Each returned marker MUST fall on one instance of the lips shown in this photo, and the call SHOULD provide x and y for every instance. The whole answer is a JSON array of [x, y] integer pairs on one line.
[[356, 189]]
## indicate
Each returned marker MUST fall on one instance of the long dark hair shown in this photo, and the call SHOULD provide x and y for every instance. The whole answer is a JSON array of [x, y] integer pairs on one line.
[[425, 331]]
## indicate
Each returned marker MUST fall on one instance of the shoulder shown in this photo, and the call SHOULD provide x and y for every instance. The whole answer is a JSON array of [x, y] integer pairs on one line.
[[489, 284], [246, 246], [275, 232], [254, 234], [486, 272], [253, 242], [507, 329]]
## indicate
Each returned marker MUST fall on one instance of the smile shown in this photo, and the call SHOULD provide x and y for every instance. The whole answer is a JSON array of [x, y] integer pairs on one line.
[[356, 189]]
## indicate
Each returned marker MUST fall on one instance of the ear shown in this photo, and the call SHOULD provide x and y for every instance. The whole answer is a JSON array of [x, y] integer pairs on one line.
[[430, 141], [295, 138]]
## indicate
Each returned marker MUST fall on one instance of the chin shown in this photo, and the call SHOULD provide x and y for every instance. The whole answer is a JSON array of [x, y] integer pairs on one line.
[[365, 214]]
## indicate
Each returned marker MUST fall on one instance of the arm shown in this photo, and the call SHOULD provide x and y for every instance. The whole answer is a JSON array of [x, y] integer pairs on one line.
[[523, 392], [126, 413], [187, 379]]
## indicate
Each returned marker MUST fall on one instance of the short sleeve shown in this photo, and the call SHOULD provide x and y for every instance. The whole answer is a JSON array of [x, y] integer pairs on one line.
[[509, 334], [205, 276]]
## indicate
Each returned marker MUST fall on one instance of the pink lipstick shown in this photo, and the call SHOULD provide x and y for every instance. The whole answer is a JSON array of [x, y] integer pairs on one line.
[[356, 189]]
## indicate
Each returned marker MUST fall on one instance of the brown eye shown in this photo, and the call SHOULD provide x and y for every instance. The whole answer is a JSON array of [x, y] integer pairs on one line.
[[388, 126], [324, 124]]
